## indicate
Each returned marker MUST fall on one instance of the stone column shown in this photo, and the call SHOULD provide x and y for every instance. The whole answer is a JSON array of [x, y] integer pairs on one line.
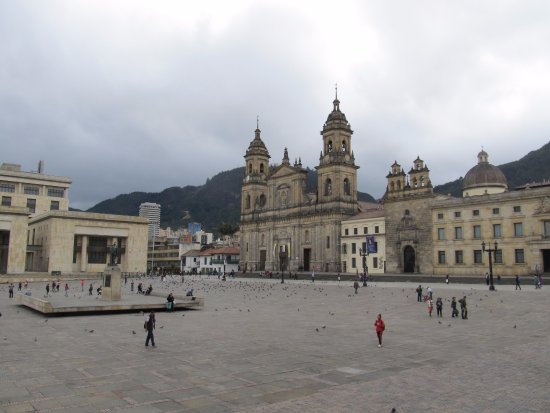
[[84, 254]]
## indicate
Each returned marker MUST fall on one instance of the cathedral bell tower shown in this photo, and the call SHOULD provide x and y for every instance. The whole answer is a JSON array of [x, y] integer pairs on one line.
[[337, 172], [254, 188]]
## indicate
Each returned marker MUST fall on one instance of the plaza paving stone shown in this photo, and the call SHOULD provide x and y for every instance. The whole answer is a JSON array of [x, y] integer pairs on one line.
[[261, 346]]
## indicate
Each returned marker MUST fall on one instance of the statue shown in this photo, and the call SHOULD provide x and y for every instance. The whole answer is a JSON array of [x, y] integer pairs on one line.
[[114, 254]]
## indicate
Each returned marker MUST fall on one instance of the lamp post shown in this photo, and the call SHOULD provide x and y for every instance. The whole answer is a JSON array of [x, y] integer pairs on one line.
[[364, 254], [490, 250], [153, 253]]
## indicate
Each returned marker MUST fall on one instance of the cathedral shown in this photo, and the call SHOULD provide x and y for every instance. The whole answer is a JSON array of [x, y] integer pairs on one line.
[[285, 228]]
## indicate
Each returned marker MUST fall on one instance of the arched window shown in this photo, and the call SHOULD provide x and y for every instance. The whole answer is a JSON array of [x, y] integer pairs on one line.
[[247, 202], [347, 189], [261, 168], [422, 181], [250, 168], [263, 240], [415, 183], [329, 148], [328, 187], [307, 236], [344, 146], [262, 200], [398, 185], [392, 186]]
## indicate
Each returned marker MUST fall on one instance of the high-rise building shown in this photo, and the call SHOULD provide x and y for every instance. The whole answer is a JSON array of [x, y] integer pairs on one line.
[[151, 211]]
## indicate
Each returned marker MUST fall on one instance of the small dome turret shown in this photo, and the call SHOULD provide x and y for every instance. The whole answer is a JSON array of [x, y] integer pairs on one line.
[[484, 178]]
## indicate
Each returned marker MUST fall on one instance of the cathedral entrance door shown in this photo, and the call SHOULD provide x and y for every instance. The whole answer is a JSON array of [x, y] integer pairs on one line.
[[262, 261], [307, 257], [408, 259]]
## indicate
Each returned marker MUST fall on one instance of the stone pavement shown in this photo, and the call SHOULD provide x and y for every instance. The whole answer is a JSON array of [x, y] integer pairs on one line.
[[261, 346]]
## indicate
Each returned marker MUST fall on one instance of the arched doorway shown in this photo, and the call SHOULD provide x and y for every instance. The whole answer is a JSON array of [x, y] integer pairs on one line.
[[408, 259]]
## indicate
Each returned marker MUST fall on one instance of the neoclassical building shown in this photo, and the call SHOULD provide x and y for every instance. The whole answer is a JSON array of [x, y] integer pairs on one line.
[[38, 233], [436, 234], [284, 228]]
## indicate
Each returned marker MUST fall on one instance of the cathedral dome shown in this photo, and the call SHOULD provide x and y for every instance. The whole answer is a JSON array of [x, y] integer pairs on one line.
[[336, 119], [257, 146], [484, 178]]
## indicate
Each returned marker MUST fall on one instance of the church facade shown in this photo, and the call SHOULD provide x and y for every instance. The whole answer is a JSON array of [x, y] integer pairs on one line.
[[285, 228]]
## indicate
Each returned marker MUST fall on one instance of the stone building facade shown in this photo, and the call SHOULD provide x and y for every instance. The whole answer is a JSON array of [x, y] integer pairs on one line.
[[369, 224], [284, 228], [436, 234]]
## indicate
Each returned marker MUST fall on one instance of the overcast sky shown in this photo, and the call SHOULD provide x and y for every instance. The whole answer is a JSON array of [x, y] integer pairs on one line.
[[126, 96]]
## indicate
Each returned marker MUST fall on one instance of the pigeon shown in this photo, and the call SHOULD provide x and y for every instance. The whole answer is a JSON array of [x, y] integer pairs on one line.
[[317, 329], [324, 326], [91, 331], [514, 326], [46, 320], [35, 339]]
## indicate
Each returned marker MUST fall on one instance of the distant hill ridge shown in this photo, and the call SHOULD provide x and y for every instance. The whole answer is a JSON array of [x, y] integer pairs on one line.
[[219, 199]]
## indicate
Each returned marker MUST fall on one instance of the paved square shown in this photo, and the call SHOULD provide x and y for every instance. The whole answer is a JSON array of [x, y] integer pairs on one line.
[[261, 346]]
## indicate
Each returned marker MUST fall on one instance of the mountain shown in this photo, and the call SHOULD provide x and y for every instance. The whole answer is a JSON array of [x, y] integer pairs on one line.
[[533, 167], [217, 201]]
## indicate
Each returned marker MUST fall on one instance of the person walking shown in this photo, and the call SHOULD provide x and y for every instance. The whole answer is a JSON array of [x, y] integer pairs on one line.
[[518, 284], [132, 286], [149, 326], [447, 279], [82, 284], [66, 289], [463, 308], [439, 307], [19, 286], [379, 326], [419, 293], [430, 306], [10, 290], [487, 278], [313, 277], [47, 289], [454, 311], [430, 293], [356, 286], [91, 289]]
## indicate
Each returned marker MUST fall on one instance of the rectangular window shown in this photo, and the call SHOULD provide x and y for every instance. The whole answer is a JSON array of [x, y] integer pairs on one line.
[[518, 229], [475, 212], [440, 216], [498, 257], [477, 231], [328, 241], [354, 231], [375, 262], [31, 190], [520, 256], [345, 266], [441, 234], [344, 248], [346, 231], [547, 229], [477, 257], [459, 257], [54, 206], [517, 208], [6, 201], [353, 263], [7, 187], [97, 250], [457, 214], [458, 232], [353, 248], [376, 229], [365, 230], [441, 257], [497, 230], [56, 192], [496, 211], [31, 204]]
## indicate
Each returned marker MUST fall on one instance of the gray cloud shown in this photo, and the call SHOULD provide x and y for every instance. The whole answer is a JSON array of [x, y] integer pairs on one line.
[[123, 96]]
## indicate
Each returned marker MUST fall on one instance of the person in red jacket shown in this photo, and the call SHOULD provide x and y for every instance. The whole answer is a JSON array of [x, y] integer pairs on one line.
[[380, 327]]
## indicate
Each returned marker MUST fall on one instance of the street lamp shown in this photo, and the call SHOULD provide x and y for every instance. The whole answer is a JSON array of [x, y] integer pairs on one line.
[[364, 254], [490, 251]]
